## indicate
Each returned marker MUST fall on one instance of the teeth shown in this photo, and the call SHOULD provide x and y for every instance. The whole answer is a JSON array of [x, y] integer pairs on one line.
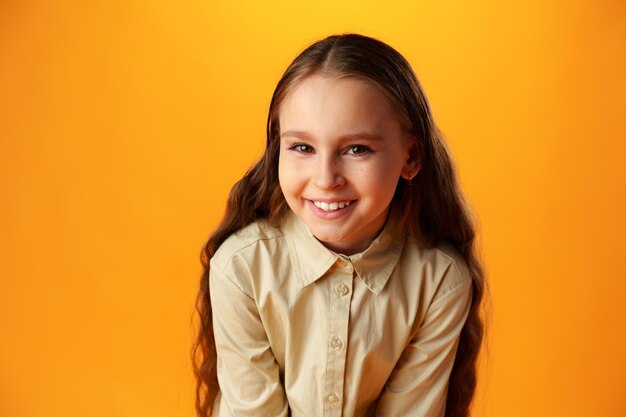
[[331, 206]]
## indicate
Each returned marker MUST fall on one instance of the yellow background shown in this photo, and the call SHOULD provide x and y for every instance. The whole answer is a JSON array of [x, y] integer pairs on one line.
[[123, 125]]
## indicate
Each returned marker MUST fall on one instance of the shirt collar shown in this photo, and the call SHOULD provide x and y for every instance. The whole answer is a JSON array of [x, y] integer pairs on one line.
[[312, 260]]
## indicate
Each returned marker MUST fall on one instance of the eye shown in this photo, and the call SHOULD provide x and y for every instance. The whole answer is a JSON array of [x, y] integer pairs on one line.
[[359, 150], [301, 148]]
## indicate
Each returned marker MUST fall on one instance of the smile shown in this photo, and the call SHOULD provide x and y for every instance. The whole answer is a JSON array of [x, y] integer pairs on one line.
[[336, 205]]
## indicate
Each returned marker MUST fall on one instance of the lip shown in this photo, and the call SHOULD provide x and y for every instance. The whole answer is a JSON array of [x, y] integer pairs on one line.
[[331, 215], [330, 200]]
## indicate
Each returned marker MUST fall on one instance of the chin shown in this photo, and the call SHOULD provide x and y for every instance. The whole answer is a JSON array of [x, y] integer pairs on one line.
[[328, 237]]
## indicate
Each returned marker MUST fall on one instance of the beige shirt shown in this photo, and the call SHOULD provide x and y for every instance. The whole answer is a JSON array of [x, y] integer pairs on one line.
[[303, 331]]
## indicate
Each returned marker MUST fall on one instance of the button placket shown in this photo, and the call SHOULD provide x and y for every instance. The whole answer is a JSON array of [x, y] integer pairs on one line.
[[336, 343], [333, 400], [342, 290], [341, 297], [341, 263]]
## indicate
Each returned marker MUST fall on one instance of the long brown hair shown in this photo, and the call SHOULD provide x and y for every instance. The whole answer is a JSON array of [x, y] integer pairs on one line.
[[433, 206]]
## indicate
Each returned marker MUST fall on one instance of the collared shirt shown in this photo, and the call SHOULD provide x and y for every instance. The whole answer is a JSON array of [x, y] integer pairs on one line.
[[303, 331]]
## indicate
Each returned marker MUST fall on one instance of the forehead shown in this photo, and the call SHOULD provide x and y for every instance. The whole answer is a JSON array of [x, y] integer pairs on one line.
[[321, 102]]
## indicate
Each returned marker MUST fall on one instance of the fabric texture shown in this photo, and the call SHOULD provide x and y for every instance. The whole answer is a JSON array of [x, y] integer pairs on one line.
[[303, 331]]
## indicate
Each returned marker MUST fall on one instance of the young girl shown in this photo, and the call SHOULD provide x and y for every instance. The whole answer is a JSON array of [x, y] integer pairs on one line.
[[343, 279]]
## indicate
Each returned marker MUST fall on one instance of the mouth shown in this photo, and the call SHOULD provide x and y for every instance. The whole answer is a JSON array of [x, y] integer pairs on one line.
[[334, 206]]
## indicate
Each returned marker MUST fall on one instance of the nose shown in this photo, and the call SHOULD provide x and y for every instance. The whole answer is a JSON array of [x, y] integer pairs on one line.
[[327, 173]]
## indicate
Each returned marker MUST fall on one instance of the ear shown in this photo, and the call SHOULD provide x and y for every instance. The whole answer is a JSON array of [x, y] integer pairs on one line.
[[413, 161]]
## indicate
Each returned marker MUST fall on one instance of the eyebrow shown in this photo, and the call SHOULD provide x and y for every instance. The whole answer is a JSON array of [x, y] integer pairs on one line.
[[354, 136]]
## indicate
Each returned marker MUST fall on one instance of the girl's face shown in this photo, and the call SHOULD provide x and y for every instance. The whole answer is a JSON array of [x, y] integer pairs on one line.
[[342, 152]]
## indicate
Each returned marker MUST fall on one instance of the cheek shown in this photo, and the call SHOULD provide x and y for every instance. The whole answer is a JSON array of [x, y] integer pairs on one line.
[[287, 175], [282, 176], [380, 175]]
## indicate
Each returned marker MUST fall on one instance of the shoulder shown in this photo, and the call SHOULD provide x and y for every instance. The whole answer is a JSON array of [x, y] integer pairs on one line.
[[457, 274], [444, 268], [246, 241], [250, 257], [454, 259]]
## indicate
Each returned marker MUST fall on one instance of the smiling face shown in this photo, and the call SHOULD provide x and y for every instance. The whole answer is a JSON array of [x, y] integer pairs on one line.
[[342, 152]]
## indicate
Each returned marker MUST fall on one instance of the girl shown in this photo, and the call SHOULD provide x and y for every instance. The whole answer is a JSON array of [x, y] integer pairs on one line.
[[343, 280]]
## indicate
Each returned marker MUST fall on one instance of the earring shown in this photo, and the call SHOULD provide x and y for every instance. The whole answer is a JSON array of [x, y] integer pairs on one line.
[[411, 176]]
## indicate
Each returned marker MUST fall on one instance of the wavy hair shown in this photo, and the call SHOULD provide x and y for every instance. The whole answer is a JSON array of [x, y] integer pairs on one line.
[[434, 209]]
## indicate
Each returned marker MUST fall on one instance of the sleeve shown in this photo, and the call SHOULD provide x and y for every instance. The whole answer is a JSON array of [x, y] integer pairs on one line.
[[418, 385], [247, 372]]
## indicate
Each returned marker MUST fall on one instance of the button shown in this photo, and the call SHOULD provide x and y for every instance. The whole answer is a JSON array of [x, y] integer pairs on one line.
[[336, 343], [342, 289], [341, 262], [333, 400]]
